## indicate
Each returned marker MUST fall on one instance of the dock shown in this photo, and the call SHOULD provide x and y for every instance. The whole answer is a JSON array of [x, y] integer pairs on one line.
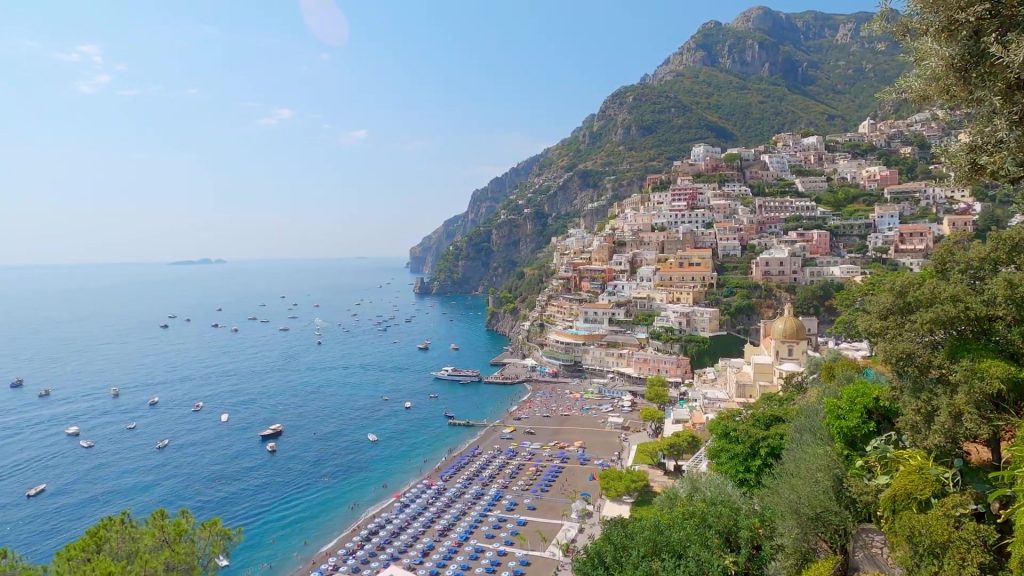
[[468, 423], [503, 359]]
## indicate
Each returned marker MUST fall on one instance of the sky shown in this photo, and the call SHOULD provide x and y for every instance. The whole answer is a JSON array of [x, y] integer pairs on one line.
[[149, 131]]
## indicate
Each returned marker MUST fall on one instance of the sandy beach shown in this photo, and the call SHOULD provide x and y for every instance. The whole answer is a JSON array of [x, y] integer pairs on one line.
[[559, 419]]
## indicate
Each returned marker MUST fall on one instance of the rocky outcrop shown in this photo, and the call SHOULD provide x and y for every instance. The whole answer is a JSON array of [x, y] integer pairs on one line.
[[730, 84]]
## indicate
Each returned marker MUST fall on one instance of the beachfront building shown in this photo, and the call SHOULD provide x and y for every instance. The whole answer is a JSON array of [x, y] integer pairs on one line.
[[783, 351]]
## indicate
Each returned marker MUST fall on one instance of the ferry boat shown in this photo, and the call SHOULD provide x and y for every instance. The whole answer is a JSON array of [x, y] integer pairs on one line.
[[17, 383], [163, 443], [272, 447], [44, 392], [35, 490], [457, 374], [72, 431], [273, 431], [197, 406], [154, 400], [115, 392]]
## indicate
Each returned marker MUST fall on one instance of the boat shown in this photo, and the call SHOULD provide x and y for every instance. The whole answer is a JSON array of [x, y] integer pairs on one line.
[[188, 319], [425, 345], [385, 398], [319, 342], [448, 415], [222, 561], [35, 491], [432, 396], [283, 329], [86, 443], [220, 309], [171, 316], [216, 325], [372, 437], [262, 304], [164, 326], [316, 305], [44, 392], [273, 431], [130, 426], [457, 374], [408, 405], [251, 318], [272, 447], [72, 431], [234, 328], [292, 317], [154, 400], [163, 443], [317, 333], [115, 392], [17, 383], [197, 406], [264, 321], [454, 347], [224, 417]]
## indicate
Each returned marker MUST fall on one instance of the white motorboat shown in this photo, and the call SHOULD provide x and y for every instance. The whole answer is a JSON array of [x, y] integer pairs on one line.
[[130, 426], [457, 374], [72, 431], [454, 347], [197, 406], [153, 401], [35, 490], [372, 437], [425, 345], [115, 392], [408, 405], [273, 431], [163, 443], [222, 561], [432, 396], [86, 443], [44, 392], [224, 417], [234, 328], [272, 447], [283, 329], [385, 398]]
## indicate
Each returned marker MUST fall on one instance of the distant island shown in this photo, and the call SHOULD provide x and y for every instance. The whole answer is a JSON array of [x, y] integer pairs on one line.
[[198, 262]]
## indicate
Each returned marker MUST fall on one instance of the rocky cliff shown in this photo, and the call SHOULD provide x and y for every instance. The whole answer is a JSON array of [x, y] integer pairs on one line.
[[730, 84]]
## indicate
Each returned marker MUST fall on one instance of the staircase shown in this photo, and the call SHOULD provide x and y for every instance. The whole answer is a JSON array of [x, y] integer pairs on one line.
[[698, 463]]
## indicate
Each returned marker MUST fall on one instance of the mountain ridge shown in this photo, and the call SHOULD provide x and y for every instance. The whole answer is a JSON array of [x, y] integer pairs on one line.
[[794, 70]]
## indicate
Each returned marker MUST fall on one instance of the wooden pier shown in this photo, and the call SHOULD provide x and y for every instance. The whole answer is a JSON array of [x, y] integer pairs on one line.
[[467, 423]]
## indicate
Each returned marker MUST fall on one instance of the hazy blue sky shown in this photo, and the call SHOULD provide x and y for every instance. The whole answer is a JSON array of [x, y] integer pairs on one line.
[[148, 130]]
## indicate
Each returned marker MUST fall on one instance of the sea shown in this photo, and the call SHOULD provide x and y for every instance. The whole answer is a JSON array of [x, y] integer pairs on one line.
[[80, 330]]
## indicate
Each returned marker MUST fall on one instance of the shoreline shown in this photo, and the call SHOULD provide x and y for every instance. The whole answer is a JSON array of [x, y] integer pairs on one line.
[[311, 562]]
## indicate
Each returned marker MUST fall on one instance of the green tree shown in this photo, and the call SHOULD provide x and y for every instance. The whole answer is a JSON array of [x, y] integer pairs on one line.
[[654, 418], [825, 567], [617, 483], [952, 337], [703, 526], [160, 545], [680, 444], [13, 565], [657, 391], [859, 413], [968, 56], [991, 217], [747, 442], [944, 541]]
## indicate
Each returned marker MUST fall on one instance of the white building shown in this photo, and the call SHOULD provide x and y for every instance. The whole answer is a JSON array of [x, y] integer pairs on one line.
[[777, 164], [812, 184], [702, 152]]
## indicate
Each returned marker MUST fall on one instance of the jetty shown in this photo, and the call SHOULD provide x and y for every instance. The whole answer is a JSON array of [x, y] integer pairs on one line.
[[454, 422], [504, 358]]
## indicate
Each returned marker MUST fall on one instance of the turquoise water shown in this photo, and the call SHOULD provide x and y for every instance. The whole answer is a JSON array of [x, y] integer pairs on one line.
[[83, 329]]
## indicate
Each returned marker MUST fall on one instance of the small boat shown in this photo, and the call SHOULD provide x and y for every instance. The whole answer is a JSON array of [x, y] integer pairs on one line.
[[17, 383], [216, 325], [272, 447], [316, 305], [171, 316], [163, 443], [154, 400], [432, 396], [234, 328], [317, 333], [44, 392], [130, 426], [385, 398], [164, 326], [262, 305], [408, 405], [454, 347], [222, 561], [251, 318], [220, 309], [197, 406], [425, 345], [86, 443], [372, 437], [283, 329], [448, 415], [72, 431], [318, 342], [292, 317], [188, 319], [115, 392], [224, 417], [35, 491], [264, 321], [282, 296], [273, 431]]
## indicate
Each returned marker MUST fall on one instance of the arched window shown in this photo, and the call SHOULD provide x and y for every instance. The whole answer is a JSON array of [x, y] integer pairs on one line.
[[789, 352]]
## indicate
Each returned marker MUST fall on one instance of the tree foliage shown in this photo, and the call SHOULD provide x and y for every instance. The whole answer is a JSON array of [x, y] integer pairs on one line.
[[747, 442], [702, 526], [13, 565], [160, 545], [680, 444], [953, 337], [944, 541], [967, 56], [657, 391], [617, 483], [860, 412]]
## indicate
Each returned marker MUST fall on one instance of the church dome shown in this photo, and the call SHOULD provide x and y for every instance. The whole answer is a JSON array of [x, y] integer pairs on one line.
[[788, 327]]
